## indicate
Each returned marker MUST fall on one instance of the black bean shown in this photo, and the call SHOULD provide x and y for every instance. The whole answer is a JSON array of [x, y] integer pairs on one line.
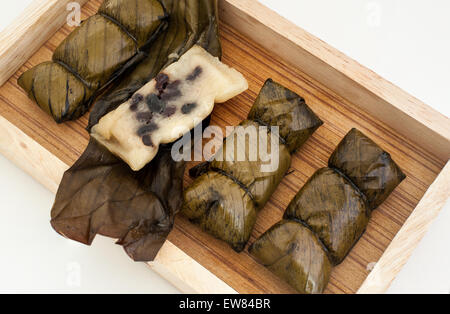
[[147, 140], [155, 104], [186, 109], [195, 74], [147, 129]]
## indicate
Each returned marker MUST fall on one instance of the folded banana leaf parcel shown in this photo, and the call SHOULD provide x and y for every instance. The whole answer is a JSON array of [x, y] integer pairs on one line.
[[329, 214], [94, 55], [230, 190], [191, 22], [100, 193]]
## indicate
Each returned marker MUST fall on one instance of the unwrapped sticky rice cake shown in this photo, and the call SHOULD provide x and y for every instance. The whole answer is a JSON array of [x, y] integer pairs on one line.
[[166, 108]]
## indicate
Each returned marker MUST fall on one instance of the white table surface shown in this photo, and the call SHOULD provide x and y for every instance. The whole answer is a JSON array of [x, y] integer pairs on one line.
[[405, 41]]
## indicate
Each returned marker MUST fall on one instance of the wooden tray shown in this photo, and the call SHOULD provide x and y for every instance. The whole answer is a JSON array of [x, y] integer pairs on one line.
[[260, 44]]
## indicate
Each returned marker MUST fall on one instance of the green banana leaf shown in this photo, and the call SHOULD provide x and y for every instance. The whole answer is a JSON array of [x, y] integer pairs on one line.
[[226, 197], [260, 185], [370, 168], [100, 194], [335, 206], [94, 55], [279, 106], [293, 252], [221, 207]]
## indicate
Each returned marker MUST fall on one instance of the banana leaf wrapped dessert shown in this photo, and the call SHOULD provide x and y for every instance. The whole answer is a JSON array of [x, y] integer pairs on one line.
[[138, 208], [335, 206], [167, 107], [94, 55], [230, 190], [192, 22]]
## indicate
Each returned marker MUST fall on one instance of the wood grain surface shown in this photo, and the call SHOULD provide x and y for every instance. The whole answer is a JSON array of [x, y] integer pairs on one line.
[[240, 271]]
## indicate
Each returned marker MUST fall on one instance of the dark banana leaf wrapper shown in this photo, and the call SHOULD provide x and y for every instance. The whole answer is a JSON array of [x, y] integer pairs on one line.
[[93, 56], [100, 194], [335, 205], [226, 197], [292, 252], [367, 166], [259, 184], [334, 209]]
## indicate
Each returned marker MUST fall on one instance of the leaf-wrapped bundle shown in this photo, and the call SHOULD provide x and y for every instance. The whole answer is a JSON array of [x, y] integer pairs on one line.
[[259, 184], [141, 212], [228, 209], [94, 55], [99, 194]]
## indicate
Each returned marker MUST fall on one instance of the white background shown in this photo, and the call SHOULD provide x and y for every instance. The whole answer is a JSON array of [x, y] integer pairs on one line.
[[405, 41]]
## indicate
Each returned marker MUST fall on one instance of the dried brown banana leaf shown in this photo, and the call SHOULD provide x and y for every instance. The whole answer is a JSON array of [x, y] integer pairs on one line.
[[227, 197], [94, 55]]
